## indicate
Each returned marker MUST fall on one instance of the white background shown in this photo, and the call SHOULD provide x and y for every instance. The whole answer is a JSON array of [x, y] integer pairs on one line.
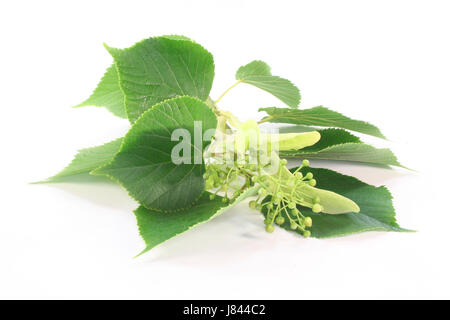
[[382, 61]]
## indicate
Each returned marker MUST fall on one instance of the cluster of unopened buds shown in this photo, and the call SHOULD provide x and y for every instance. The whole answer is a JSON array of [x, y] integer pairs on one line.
[[229, 181], [280, 204], [279, 194]]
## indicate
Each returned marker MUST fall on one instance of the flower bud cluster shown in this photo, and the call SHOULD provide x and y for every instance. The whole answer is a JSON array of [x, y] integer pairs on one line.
[[279, 194], [279, 199]]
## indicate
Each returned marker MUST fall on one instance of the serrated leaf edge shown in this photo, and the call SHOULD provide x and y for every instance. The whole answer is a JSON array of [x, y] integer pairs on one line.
[[86, 104], [97, 171], [70, 163], [247, 193], [269, 118], [271, 75], [108, 48], [312, 154]]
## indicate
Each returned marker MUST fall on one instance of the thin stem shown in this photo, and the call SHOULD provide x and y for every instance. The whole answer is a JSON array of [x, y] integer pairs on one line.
[[287, 214], [226, 91], [275, 214], [298, 169]]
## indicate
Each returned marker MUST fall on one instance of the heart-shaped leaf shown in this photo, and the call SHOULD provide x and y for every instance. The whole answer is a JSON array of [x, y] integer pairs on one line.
[[161, 68], [145, 166]]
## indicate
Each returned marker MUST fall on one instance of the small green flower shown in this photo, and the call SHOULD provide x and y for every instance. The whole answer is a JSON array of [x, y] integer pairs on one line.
[[316, 208], [270, 228], [307, 222], [279, 220], [308, 176]]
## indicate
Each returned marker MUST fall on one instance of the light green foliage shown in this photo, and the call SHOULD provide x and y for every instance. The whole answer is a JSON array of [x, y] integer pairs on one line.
[[377, 212], [156, 227], [338, 144], [144, 165], [87, 160], [177, 37], [108, 94], [320, 116], [157, 69], [162, 86], [358, 152], [257, 73]]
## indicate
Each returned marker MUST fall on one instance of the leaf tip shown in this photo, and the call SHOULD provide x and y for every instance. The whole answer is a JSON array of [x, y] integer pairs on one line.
[[39, 182], [112, 51], [78, 105], [141, 253]]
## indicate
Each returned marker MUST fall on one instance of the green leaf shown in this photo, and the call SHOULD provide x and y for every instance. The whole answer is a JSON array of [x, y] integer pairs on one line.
[[87, 160], [157, 227], [357, 152], [157, 69], [177, 37], [338, 144], [377, 212], [108, 94], [144, 164], [320, 116], [257, 73]]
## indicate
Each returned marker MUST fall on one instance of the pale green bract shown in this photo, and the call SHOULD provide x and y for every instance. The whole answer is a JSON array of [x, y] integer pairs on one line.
[[331, 202], [294, 141], [257, 73], [144, 164], [248, 133], [108, 94], [157, 69], [320, 116]]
